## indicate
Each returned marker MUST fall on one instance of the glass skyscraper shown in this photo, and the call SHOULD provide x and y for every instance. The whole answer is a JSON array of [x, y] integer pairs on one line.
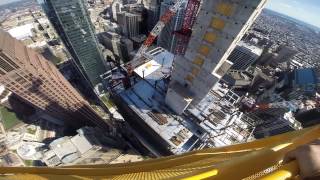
[[72, 22]]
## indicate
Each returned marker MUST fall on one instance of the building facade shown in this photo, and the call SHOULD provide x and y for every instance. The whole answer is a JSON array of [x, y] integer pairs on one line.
[[121, 47], [38, 82], [219, 26], [129, 23], [153, 12], [244, 55], [167, 38], [116, 8], [285, 53], [72, 23], [270, 122]]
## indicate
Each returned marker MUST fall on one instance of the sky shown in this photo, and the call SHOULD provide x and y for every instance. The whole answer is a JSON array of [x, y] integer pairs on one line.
[[304, 10], [2, 2]]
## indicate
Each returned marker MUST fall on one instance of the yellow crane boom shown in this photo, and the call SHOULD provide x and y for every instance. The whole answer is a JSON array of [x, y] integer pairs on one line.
[[257, 159]]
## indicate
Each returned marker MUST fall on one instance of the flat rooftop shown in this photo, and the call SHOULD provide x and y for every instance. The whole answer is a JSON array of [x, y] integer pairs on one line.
[[22, 32], [305, 76], [214, 122], [146, 98], [250, 47]]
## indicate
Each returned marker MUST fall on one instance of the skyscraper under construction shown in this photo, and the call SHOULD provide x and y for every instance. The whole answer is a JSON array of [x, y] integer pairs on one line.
[[219, 26], [37, 81]]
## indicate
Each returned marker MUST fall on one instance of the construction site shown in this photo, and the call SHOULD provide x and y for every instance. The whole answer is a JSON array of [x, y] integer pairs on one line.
[[178, 102]]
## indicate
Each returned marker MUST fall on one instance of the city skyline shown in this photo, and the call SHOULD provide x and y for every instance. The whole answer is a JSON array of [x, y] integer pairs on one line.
[[8, 1], [239, 73], [307, 11]]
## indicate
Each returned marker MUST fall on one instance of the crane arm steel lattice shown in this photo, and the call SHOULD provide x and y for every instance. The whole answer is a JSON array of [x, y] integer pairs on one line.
[[190, 14], [164, 19], [283, 104], [257, 159], [291, 105], [184, 34]]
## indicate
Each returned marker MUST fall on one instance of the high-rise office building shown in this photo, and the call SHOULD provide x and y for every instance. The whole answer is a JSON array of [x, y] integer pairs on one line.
[[153, 12], [116, 8], [244, 55], [37, 81], [219, 26], [167, 38], [121, 47], [129, 23], [284, 53], [72, 22]]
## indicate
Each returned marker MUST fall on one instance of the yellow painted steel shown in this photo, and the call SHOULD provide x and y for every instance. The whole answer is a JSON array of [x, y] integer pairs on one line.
[[289, 170], [253, 160]]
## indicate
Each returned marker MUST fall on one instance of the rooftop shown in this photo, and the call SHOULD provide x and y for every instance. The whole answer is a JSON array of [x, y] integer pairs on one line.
[[217, 115], [305, 76], [214, 120], [65, 149], [146, 98], [82, 143], [254, 49], [21, 32]]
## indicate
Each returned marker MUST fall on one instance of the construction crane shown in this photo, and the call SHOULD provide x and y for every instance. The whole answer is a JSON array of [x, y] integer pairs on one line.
[[164, 19], [292, 105], [184, 34]]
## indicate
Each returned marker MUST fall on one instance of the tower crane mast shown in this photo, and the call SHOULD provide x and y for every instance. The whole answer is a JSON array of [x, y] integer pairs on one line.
[[291, 105], [164, 19], [184, 34]]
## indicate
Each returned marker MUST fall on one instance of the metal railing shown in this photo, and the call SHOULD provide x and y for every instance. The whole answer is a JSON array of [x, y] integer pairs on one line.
[[260, 159]]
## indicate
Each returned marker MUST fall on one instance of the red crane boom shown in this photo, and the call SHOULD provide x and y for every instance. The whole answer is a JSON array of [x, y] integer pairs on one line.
[[184, 34]]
